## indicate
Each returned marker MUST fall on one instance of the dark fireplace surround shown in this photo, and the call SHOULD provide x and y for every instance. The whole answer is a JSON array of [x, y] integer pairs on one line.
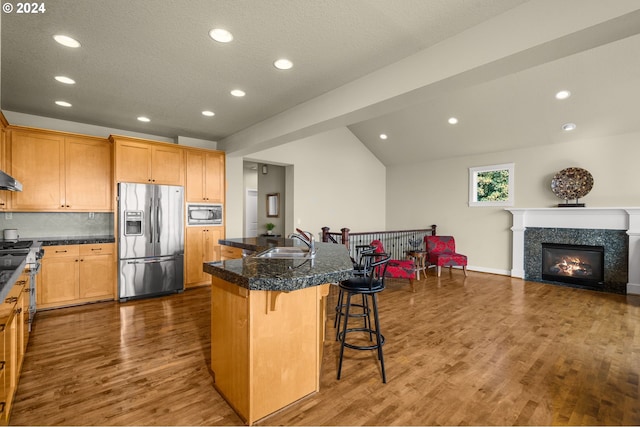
[[595, 259]]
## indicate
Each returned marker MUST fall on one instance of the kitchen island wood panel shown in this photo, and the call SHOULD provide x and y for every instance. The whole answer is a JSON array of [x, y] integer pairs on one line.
[[266, 346], [267, 323]]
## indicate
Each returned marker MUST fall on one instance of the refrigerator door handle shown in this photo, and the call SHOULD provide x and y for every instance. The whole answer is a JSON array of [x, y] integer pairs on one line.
[[158, 225], [146, 261], [152, 227]]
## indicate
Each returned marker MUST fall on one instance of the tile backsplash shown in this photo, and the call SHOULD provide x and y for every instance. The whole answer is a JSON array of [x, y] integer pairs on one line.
[[57, 224]]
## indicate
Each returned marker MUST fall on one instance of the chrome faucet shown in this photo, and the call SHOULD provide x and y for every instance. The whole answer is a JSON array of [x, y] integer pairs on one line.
[[307, 238]]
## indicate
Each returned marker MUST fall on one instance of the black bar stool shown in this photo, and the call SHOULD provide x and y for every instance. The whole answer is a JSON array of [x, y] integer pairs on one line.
[[368, 285], [358, 271]]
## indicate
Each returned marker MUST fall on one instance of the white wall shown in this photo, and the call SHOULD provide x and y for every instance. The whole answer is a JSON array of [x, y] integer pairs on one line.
[[336, 182], [437, 192]]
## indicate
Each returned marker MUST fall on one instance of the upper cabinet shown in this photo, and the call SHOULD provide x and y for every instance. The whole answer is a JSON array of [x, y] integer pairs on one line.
[[60, 172], [148, 162], [205, 176]]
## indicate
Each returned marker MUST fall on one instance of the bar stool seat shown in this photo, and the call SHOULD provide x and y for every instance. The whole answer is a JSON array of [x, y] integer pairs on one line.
[[368, 286]]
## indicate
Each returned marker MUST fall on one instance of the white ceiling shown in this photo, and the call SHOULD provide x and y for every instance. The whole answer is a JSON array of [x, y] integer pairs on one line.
[[145, 57]]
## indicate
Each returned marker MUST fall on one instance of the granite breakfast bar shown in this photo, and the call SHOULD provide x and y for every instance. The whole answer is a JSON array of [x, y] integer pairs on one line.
[[267, 323]]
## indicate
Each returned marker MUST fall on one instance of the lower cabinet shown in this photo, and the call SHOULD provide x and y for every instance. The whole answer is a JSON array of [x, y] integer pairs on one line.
[[14, 336], [76, 274], [201, 245]]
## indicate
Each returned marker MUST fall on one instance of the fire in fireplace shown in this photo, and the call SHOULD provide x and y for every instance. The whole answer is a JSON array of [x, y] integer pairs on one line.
[[575, 264]]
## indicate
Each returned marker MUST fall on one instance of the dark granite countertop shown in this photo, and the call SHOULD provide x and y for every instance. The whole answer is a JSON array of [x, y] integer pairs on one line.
[[257, 244], [75, 240], [331, 264], [11, 267]]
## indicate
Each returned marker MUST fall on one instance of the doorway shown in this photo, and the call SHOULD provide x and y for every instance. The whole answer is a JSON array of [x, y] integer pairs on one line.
[[251, 213]]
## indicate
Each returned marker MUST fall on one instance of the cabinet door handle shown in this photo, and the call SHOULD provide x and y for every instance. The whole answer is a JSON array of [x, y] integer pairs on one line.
[[2, 405], [96, 249], [2, 362], [61, 252], [18, 311], [11, 300]]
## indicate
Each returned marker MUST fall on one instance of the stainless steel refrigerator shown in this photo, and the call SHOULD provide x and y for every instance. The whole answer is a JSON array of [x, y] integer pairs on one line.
[[151, 239]]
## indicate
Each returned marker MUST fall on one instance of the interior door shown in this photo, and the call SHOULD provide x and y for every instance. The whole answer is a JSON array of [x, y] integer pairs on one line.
[[251, 214]]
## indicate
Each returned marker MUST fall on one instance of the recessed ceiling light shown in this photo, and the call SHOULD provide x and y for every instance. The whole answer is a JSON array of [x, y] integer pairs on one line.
[[563, 94], [237, 92], [144, 119], [383, 136], [568, 127], [208, 113], [66, 41], [221, 35], [65, 80], [452, 120], [283, 64], [63, 103]]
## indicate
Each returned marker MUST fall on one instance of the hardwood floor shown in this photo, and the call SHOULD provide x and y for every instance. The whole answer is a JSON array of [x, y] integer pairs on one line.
[[485, 350]]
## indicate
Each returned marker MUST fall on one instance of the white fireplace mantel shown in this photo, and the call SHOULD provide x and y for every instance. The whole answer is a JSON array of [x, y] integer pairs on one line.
[[590, 218]]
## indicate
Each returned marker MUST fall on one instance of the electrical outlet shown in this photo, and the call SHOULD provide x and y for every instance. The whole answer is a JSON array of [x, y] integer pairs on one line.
[[8, 215], [92, 215]]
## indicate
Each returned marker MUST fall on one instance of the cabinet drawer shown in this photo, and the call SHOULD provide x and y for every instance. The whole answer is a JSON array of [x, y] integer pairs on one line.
[[229, 252], [60, 251], [97, 249]]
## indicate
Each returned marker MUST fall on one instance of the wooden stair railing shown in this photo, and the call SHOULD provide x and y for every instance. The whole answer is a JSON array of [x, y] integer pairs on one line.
[[396, 243]]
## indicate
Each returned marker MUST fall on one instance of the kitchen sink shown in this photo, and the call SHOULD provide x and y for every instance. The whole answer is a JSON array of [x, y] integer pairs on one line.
[[286, 252]]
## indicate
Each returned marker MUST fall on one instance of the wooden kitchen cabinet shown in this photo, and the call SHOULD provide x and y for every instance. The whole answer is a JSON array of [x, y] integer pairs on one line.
[[37, 161], [97, 272], [60, 172], [88, 174], [14, 333], [201, 245], [205, 171], [76, 274], [145, 162]]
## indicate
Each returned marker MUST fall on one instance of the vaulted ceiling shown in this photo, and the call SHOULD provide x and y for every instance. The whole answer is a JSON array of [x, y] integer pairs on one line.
[[156, 59]]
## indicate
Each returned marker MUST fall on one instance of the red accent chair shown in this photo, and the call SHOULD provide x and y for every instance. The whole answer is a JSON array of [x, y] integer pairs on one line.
[[398, 268], [442, 253]]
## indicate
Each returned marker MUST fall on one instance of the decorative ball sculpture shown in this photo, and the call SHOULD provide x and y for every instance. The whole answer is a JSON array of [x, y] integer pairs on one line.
[[572, 183]]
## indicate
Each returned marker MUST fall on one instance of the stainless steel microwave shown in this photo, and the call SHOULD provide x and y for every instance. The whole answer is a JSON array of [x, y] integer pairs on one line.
[[204, 214]]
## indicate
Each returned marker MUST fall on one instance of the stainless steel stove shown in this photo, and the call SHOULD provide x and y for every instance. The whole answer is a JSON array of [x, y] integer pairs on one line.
[[33, 252]]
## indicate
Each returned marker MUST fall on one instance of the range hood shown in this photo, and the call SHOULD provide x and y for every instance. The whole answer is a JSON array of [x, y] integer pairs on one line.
[[9, 183]]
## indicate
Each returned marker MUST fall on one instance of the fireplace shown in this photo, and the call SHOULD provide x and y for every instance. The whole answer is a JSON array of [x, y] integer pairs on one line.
[[615, 229], [575, 264]]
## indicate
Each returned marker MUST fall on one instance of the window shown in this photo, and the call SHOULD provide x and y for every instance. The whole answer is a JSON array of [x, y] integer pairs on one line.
[[491, 185]]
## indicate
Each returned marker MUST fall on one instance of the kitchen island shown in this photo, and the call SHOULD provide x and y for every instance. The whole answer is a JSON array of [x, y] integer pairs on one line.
[[267, 323]]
